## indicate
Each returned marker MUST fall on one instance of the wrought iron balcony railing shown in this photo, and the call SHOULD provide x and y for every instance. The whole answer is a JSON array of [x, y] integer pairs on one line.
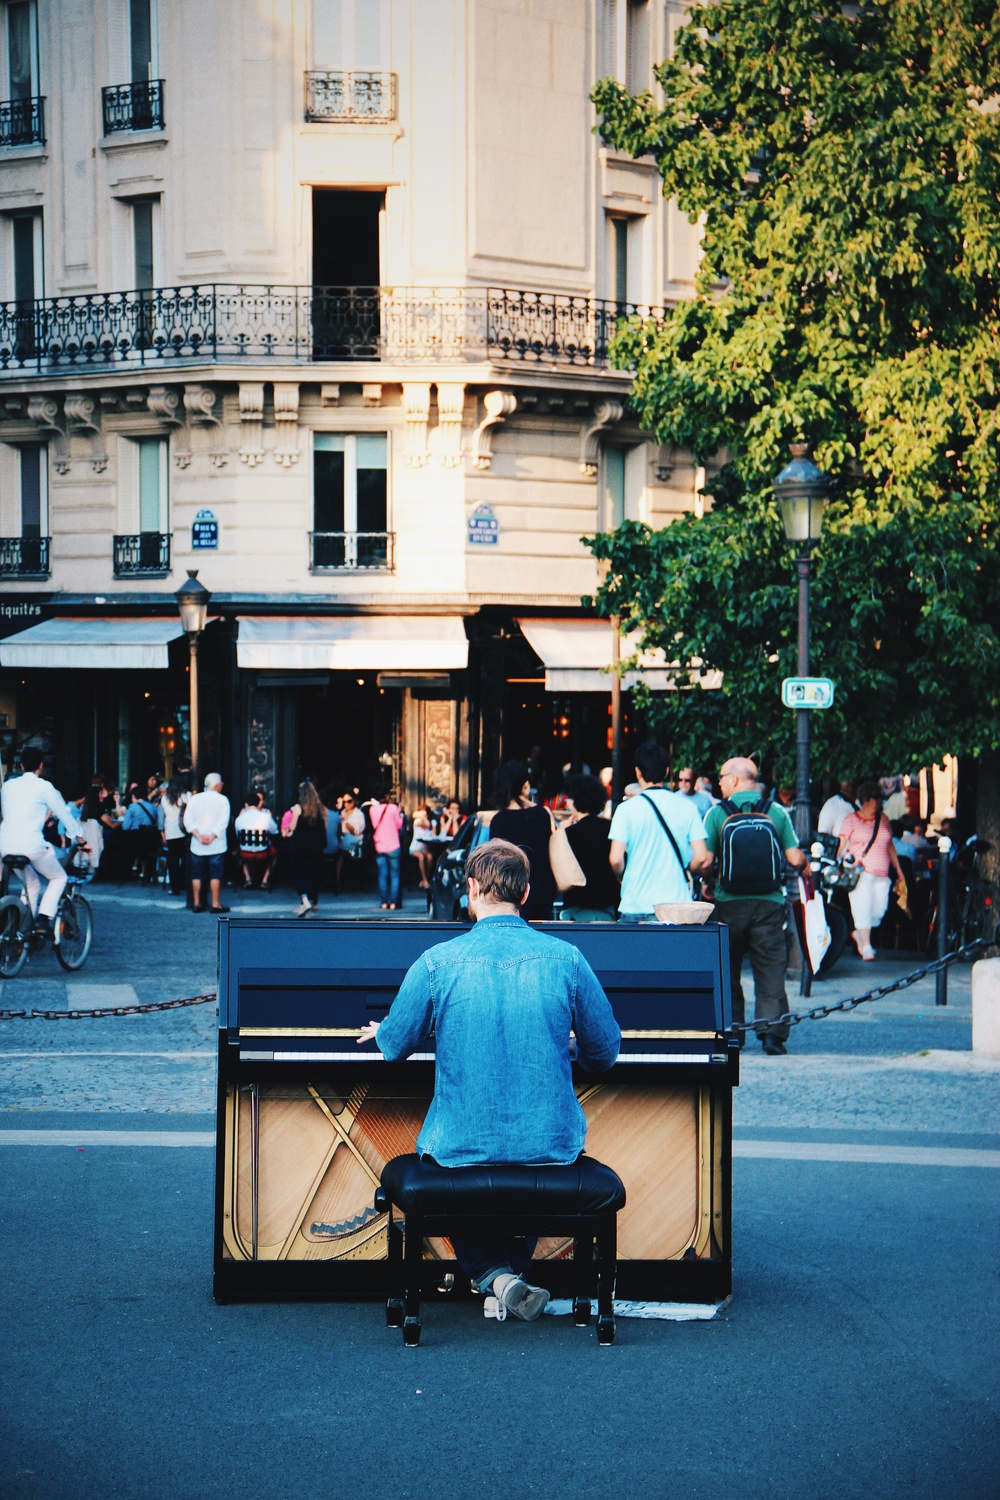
[[406, 325], [24, 557], [145, 555], [22, 122], [133, 106], [337, 551], [350, 98]]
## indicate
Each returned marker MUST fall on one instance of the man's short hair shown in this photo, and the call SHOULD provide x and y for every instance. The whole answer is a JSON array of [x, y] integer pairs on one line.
[[31, 758], [588, 794], [651, 761], [501, 870], [213, 781]]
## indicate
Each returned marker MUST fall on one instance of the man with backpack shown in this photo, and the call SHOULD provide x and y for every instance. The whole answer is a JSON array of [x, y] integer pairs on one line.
[[752, 839]]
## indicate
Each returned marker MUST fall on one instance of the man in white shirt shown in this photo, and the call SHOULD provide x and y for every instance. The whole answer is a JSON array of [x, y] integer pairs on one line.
[[206, 819], [656, 869], [26, 803], [835, 809]]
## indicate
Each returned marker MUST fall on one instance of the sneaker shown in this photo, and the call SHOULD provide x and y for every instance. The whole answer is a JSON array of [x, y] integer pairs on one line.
[[303, 908], [516, 1297]]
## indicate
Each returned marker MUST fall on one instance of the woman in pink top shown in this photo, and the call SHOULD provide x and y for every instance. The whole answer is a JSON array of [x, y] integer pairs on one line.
[[387, 822], [867, 836]]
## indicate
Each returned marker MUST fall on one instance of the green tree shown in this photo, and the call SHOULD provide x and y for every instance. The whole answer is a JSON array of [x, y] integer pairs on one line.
[[845, 163]]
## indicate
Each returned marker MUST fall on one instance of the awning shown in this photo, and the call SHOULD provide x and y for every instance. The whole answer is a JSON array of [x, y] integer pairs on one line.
[[131, 643], [352, 643], [577, 655]]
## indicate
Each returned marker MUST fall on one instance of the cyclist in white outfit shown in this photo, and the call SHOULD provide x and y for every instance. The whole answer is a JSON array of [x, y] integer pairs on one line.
[[25, 804]]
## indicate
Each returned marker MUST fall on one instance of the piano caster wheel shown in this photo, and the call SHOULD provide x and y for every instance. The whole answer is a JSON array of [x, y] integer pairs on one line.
[[605, 1330], [411, 1332], [581, 1313], [394, 1312]]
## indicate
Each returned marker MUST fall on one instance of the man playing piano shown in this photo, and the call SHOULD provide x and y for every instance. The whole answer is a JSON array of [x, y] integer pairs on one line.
[[501, 1001]]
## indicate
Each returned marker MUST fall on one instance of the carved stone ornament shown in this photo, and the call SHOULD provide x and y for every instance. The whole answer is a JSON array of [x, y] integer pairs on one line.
[[663, 461], [606, 413], [164, 401], [44, 410], [286, 422], [81, 418], [329, 394], [199, 403], [417, 405], [451, 410], [251, 422], [371, 394], [498, 405]]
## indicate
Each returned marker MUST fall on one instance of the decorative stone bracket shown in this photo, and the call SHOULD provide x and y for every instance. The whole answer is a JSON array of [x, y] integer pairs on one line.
[[251, 422], [498, 405], [199, 403], [81, 419], [44, 411], [451, 410], [417, 405], [606, 413], [286, 422]]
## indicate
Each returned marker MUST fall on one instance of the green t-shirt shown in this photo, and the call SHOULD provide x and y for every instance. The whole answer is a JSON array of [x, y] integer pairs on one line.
[[713, 837]]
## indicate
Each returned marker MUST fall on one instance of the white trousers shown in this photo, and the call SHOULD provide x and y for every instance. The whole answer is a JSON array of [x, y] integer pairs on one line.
[[44, 866], [870, 901]]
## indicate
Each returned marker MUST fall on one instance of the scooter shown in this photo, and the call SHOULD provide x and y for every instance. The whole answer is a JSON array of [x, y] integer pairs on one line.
[[829, 875]]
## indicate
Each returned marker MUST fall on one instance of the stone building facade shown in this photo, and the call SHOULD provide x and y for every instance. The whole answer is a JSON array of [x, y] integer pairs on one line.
[[314, 296]]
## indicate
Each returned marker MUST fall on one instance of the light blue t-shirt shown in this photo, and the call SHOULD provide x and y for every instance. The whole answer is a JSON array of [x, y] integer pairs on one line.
[[652, 870]]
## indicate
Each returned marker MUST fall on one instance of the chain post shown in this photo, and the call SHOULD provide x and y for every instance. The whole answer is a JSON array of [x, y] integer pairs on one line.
[[944, 870]]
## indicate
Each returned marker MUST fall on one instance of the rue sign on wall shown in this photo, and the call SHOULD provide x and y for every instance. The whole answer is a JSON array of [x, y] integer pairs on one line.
[[204, 531], [484, 528], [807, 692]]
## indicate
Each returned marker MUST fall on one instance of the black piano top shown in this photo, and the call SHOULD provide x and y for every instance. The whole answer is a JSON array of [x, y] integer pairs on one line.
[[292, 992]]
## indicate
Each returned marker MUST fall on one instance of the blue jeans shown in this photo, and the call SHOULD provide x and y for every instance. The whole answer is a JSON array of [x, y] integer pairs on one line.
[[388, 878]]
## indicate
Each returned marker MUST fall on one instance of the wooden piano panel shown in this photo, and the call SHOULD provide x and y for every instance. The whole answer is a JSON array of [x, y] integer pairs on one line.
[[320, 1158]]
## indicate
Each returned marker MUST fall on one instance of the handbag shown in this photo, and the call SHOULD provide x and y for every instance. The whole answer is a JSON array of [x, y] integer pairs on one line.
[[673, 843], [563, 863]]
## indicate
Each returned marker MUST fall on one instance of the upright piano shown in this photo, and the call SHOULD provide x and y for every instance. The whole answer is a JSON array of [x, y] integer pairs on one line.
[[307, 1117]]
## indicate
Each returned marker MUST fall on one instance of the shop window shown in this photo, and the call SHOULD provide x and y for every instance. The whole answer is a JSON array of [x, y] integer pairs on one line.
[[351, 501], [624, 483]]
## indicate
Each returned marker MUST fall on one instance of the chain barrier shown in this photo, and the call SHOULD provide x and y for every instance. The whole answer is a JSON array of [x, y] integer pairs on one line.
[[107, 1010], [791, 1018], [819, 1012]]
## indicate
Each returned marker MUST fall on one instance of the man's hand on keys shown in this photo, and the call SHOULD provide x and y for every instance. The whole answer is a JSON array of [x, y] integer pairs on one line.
[[368, 1032]]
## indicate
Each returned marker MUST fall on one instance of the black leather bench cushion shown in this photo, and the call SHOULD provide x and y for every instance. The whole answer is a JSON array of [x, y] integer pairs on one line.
[[585, 1186]]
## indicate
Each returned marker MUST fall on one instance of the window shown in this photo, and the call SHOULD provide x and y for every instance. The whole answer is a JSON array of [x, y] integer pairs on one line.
[[626, 260], [350, 34], [143, 256], [142, 47], [27, 254], [351, 501], [625, 43], [34, 492], [624, 480], [22, 50], [151, 486]]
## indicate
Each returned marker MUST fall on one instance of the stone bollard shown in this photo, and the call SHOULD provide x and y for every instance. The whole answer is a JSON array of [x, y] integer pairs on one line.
[[986, 1007]]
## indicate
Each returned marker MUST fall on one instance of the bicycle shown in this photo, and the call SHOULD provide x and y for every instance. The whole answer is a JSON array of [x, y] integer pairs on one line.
[[970, 903], [72, 929]]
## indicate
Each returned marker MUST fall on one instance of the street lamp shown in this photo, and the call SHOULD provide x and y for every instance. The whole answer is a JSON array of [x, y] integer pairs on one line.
[[192, 604], [802, 489]]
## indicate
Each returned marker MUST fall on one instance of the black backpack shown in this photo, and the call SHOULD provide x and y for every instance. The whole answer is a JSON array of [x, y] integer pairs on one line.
[[751, 860]]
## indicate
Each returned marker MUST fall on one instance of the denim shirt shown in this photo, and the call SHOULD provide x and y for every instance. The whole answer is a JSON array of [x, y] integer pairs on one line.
[[501, 1001]]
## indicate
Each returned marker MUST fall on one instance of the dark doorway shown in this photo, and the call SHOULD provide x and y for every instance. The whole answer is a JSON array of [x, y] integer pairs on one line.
[[346, 237], [346, 273]]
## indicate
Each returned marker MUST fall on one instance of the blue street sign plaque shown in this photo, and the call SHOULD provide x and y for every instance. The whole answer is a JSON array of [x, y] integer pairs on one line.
[[204, 531], [484, 528], [807, 692]]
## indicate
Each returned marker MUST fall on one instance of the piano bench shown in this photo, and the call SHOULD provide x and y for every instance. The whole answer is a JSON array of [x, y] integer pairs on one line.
[[580, 1200]]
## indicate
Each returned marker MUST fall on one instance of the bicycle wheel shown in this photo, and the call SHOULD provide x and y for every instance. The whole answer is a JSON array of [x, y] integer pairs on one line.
[[13, 942], [74, 932]]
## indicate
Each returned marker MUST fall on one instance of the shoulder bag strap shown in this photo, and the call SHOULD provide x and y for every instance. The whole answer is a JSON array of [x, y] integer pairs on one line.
[[673, 842], [878, 824]]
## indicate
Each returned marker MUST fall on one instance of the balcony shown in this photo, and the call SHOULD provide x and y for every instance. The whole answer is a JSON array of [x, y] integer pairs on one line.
[[133, 106], [146, 555], [338, 98], [24, 557], [291, 325], [22, 122], [351, 551]]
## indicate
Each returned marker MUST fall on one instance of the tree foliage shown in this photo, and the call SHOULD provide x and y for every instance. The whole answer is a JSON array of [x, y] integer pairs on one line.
[[845, 163]]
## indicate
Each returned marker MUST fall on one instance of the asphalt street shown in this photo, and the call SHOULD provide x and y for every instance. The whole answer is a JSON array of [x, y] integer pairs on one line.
[[856, 1357]]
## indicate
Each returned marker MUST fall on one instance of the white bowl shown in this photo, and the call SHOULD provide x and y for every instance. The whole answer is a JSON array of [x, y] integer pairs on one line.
[[683, 913]]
